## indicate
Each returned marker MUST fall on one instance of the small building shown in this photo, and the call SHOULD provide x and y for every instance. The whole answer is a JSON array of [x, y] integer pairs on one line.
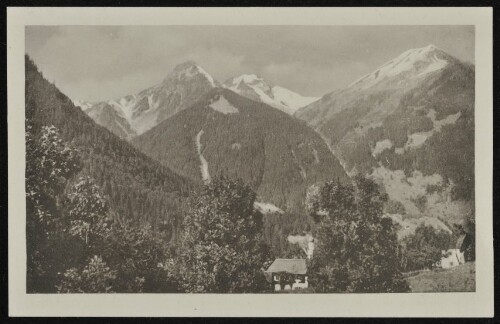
[[288, 274], [451, 258]]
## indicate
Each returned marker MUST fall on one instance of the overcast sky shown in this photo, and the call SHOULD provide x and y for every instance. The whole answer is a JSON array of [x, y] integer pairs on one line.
[[96, 63]]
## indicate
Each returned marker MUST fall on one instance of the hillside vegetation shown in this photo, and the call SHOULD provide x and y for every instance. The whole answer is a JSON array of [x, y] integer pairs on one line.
[[410, 126], [278, 156], [139, 188]]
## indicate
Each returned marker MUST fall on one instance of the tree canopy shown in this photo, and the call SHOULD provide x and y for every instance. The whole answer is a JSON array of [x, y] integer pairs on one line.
[[222, 247], [357, 248]]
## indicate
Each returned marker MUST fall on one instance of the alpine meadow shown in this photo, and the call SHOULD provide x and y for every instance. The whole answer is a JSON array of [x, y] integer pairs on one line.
[[210, 160]]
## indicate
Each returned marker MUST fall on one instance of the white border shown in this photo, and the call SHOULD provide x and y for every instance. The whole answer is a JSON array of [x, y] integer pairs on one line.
[[477, 304]]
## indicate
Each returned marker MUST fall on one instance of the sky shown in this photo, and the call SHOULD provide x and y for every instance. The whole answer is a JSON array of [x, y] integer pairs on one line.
[[95, 63]]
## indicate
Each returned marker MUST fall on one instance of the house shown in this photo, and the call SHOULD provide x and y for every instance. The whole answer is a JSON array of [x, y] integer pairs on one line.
[[286, 274], [451, 258]]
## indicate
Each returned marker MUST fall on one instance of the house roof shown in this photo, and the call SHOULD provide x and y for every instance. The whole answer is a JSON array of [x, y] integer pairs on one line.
[[295, 266]]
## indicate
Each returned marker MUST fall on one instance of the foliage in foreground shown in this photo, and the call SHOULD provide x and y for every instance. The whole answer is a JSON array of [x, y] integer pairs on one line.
[[72, 244], [222, 247], [75, 245], [356, 249], [424, 248]]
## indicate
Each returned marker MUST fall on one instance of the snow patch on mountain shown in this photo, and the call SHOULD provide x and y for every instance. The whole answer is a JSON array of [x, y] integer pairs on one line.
[[84, 105], [435, 65], [291, 99], [418, 139], [381, 146], [152, 104], [205, 175], [267, 208], [420, 61], [256, 88], [223, 106], [206, 75], [145, 122], [123, 128], [126, 105], [246, 78], [316, 156], [179, 90]]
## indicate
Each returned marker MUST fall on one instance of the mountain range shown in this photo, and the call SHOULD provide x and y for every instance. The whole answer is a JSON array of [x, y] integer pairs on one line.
[[409, 125], [225, 133], [135, 114]]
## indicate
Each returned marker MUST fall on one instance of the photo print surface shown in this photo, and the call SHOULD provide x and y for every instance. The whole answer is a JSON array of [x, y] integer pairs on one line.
[[250, 159]]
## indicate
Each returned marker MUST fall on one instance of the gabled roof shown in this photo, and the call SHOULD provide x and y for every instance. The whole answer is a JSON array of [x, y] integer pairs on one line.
[[295, 266]]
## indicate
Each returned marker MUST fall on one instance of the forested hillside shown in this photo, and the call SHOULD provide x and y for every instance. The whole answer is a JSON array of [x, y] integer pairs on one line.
[[138, 188], [225, 133], [409, 125]]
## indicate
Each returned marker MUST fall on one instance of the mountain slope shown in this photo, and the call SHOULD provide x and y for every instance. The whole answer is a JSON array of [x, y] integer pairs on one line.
[[134, 114], [410, 125], [227, 133], [138, 187], [112, 118], [256, 88]]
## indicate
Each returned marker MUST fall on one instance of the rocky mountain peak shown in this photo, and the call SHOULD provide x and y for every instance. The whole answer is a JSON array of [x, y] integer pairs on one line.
[[188, 70], [413, 63]]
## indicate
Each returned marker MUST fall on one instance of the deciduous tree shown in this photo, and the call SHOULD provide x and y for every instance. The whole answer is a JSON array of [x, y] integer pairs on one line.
[[222, 243], [356, 249]]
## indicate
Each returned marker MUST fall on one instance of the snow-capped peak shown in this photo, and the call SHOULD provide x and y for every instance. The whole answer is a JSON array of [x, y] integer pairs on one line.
[[246, 78], [208, 76], [417, 61], [254, 87], [184, 85], [184, 66], [190, 69]]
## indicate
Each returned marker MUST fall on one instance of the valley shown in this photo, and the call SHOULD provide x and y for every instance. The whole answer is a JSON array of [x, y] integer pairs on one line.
[[197, 172]]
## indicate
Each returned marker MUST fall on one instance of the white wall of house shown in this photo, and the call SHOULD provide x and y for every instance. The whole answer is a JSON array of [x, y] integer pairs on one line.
[[300, 285], [452, 258]]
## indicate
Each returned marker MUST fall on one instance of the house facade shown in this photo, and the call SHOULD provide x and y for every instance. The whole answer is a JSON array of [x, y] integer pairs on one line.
[[451, 258], [288, 274]]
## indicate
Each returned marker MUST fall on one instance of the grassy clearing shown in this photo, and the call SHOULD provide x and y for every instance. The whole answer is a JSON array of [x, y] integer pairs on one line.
[[461, 278]]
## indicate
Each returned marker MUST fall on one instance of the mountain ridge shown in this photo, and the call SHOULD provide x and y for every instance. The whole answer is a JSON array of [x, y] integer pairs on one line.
[[256, 88], [410, 125], [141, 111], [225, 133], [132, 115]]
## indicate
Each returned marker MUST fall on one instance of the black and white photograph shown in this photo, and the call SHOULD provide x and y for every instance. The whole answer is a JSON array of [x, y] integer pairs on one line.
[[250, 159]]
